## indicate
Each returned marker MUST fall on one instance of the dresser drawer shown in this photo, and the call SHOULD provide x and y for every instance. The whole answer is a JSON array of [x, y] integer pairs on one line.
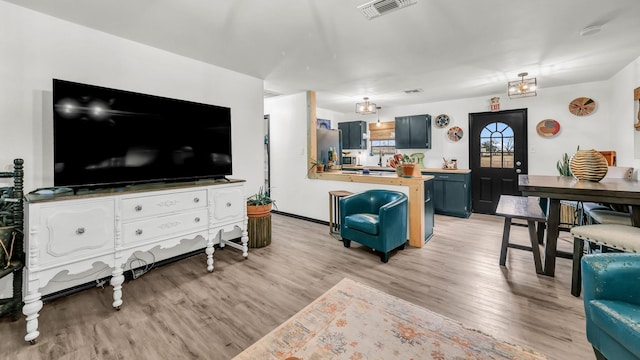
[[70, 231], [138, 207], [228, 204], [164, 226]]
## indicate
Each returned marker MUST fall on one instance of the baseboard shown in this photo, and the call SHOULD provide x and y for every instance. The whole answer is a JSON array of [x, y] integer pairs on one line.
[[301, 217]]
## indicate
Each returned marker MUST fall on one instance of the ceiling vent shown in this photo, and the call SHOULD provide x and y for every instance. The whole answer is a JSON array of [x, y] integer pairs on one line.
[[373, 9], [413, 91]]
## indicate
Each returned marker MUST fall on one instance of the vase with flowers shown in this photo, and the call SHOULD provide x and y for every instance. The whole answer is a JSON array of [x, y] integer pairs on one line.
[[403, 164]]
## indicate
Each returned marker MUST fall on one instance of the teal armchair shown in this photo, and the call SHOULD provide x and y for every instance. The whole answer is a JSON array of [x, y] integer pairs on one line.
[[376, 219], [611, 283]]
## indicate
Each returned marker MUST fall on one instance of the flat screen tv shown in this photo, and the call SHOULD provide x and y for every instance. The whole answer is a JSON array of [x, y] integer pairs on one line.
[[107, 137]]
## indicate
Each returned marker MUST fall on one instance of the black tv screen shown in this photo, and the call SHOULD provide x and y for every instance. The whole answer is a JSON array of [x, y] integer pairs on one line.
[[106, 136]]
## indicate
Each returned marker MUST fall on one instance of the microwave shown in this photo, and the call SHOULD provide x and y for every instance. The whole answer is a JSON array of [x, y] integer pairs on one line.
[[348, 160]]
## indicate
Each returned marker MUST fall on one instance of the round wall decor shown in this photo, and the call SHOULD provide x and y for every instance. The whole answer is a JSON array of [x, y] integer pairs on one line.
[[582, 106], [454, 133], [442, 120], [548, 128]]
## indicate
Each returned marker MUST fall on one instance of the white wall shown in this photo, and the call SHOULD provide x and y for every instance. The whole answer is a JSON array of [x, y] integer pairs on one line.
[[587, 131], [293, 191], [624, 111], [609, 127], [37, 48]]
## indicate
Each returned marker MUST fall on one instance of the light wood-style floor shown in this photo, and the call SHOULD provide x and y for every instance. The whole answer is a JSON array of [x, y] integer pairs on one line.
[[180, 311]]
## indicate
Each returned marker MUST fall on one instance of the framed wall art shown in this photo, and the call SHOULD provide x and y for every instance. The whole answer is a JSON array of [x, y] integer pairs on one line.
[[455, 133], [582, 106]]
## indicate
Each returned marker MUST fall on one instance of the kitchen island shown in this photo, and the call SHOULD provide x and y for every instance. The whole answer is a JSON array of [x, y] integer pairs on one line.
[[418, 226]]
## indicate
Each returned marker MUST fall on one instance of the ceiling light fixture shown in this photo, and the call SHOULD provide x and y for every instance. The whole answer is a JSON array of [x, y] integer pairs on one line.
[[378, 124], [366, 107], [523, 87]]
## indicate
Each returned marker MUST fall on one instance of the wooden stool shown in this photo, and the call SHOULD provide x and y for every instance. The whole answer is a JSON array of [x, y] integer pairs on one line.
[[526, 208], [610, 236], [334, 210], [259, 229]]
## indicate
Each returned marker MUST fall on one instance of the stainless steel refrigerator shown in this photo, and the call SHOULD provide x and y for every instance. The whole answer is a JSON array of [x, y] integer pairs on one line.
[[327, 139]]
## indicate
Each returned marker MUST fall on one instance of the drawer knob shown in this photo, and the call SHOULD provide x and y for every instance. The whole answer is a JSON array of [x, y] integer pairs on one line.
[[197, 219], [139, 232], [80, 231], [138, 207], [228, 204], [196, 200]]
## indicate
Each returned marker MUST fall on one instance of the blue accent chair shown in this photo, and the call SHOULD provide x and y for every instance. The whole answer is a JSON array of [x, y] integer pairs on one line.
[[376, 219], [611, 283]]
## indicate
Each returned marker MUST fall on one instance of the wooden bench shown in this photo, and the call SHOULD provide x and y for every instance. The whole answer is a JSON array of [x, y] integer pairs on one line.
[[525, 208]]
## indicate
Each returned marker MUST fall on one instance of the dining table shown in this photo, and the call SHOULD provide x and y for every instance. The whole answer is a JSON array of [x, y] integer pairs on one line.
[[557, 188]]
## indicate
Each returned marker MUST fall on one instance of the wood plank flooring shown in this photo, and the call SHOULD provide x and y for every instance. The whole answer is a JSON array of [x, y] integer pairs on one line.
[[180, 311]]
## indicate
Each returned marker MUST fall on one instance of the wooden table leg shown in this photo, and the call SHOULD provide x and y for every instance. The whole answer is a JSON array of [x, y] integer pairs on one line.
[[550, 248], [635, 215]]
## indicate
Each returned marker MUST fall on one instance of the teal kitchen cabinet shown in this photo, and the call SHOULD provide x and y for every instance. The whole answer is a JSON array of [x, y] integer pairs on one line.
[[413, 132], [353, 134], [451, 193]]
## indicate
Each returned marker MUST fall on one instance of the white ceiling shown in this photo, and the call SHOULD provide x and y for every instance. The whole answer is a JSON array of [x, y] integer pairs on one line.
[[449, 48]]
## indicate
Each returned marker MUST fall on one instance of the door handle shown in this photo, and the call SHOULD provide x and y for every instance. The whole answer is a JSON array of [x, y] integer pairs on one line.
[[518, 171], [518, 163]]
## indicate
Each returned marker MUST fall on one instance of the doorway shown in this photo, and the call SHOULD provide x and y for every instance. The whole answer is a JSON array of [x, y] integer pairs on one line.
[[267, 158], [497, 155]]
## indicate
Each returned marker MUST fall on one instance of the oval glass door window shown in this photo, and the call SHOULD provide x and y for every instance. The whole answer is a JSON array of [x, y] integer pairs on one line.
[[548, 128]]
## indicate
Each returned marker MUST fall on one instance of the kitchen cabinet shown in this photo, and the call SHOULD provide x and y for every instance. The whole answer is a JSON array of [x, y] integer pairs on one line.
[[353, 134], [413, 132], [451, 194]]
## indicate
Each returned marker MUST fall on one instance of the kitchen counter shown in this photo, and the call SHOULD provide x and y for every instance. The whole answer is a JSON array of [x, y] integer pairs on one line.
[[416, 193], [424, 170]]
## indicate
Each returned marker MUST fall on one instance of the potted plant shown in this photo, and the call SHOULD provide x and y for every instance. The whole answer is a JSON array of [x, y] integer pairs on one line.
[[403, 164], [317, 165], [259, 204], [563, 164]]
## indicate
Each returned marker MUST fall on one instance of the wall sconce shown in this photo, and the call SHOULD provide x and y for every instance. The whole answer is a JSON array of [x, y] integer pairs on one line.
[[366, 107], [523, 87]]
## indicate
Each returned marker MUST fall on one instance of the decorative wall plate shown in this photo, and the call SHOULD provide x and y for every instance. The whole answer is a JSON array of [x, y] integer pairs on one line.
[[454, 133], [442, 120], [582, 106], [548, 127]]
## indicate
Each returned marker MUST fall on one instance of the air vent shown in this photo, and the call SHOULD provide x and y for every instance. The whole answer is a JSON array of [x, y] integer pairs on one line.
[[377, 8], [269, 94], [413, 91]]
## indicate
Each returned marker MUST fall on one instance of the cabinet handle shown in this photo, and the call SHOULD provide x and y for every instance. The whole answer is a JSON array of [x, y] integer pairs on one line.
[[228, 204], [443, 177], [80, 231], [138, 207], [139, 232], [197, 219], [196, 200]]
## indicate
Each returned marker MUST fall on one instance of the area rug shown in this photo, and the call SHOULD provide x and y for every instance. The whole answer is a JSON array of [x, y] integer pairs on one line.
[[355, 321]]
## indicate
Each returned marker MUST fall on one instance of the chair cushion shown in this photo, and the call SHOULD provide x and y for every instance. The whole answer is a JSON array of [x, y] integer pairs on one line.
[[621, 237], [610, 217], [367, 223], [620, 320]]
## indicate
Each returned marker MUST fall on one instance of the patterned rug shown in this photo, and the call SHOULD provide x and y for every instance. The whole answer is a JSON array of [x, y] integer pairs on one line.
[[355, 321]]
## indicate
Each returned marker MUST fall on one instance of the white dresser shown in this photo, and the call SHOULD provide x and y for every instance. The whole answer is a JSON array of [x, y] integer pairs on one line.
[[72, 232]]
